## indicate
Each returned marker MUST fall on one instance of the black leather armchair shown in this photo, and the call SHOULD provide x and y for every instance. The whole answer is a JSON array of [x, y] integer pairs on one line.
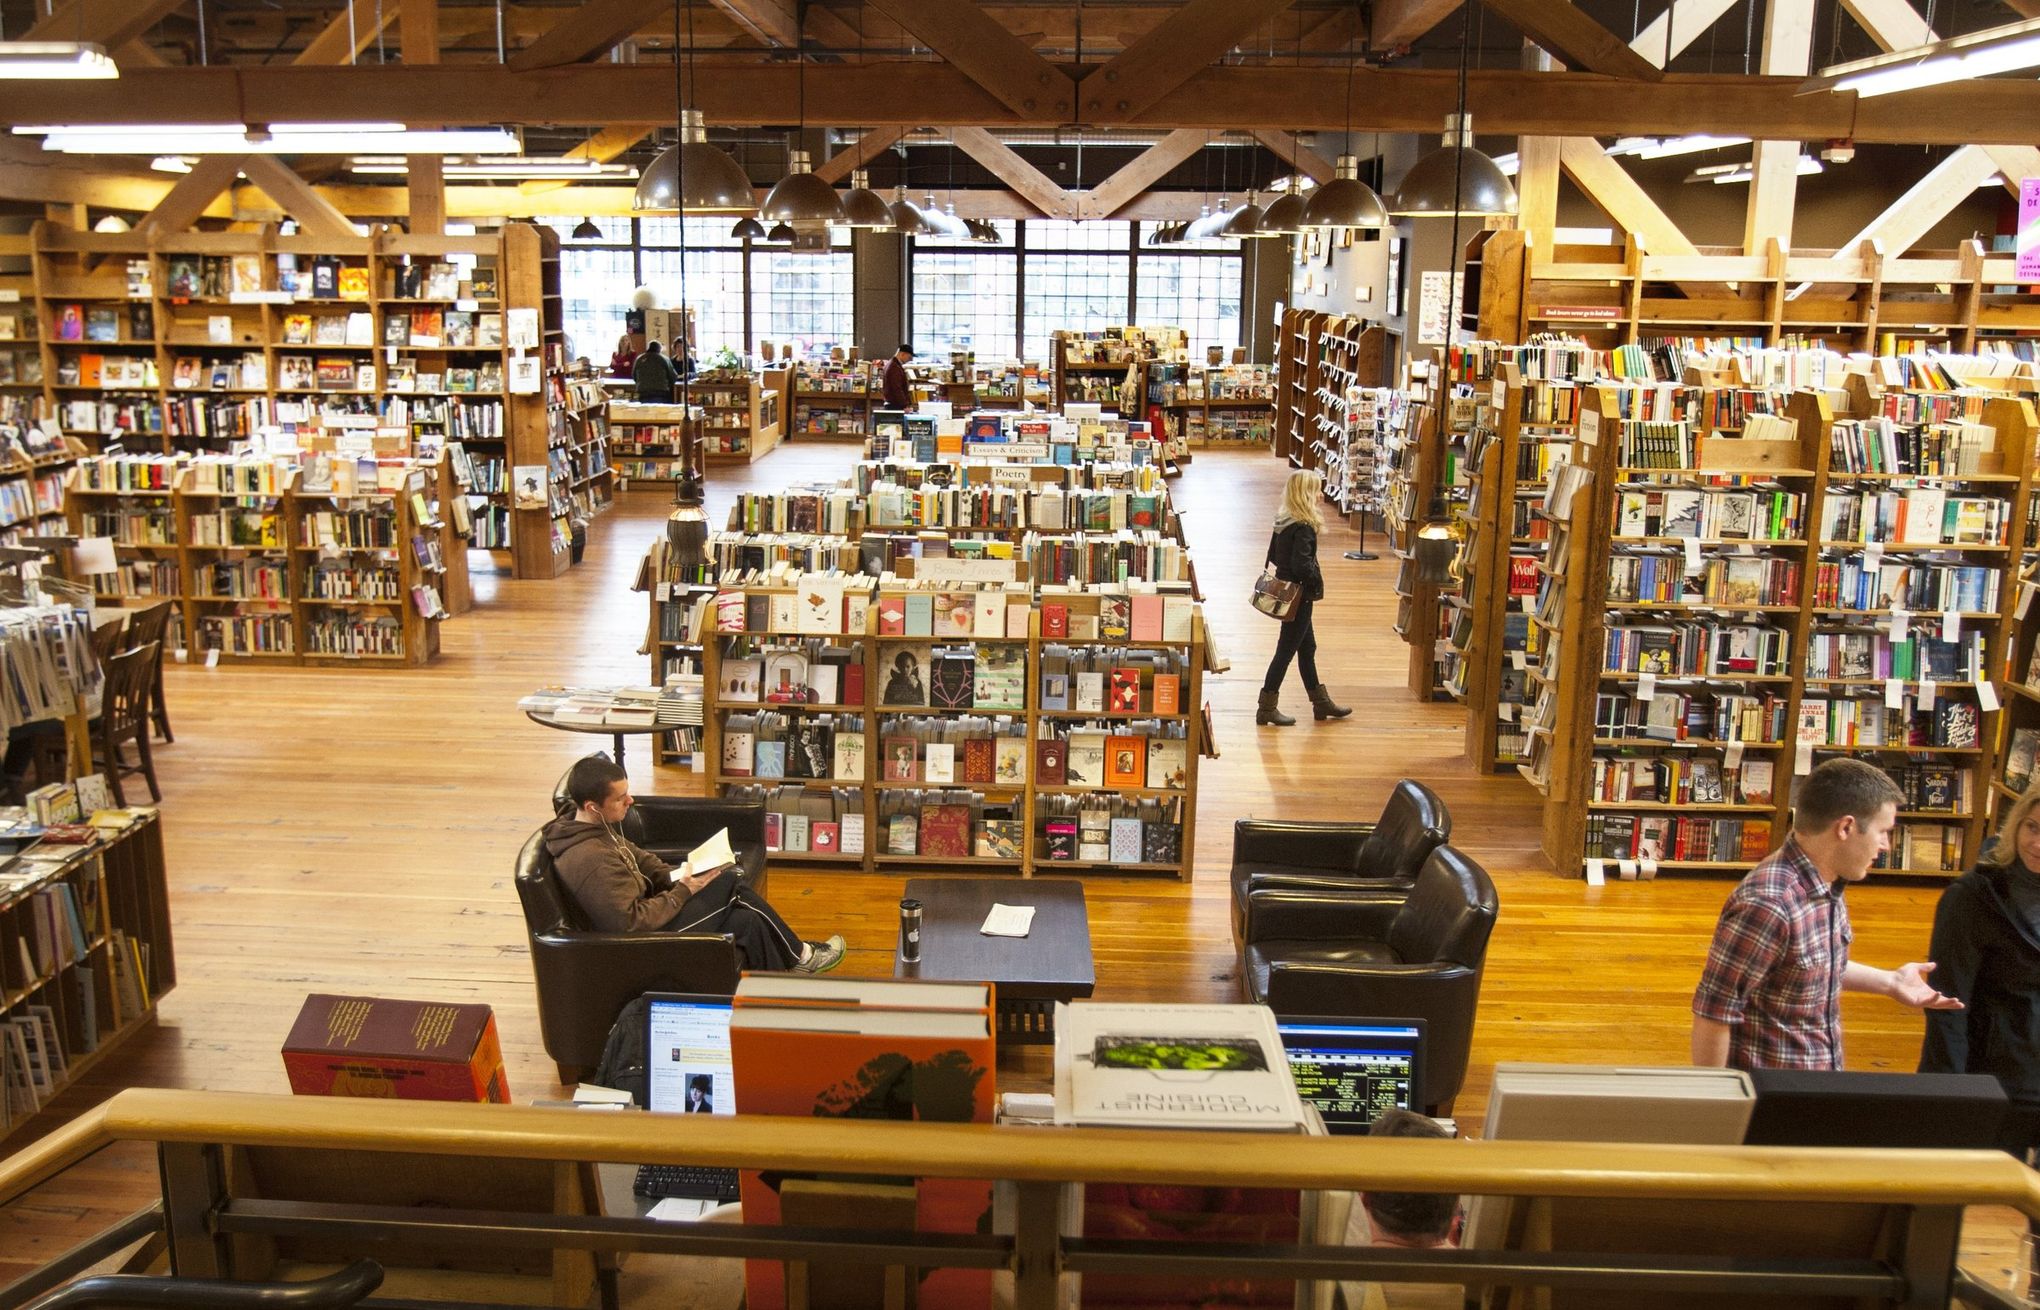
[[1383, 855], [1381, 955], [585, 978], [671, 826]]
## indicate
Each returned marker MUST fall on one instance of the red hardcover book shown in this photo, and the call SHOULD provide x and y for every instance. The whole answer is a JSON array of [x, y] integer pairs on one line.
[[406, 1050], [892, 616], [1055, 622], [1051, 759], [1125, 698], [945, 831], [853, 685], [977, 761], [825, 838], [901, 759]]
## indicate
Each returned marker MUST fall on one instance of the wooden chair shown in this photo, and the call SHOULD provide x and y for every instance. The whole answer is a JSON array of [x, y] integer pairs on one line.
[[145, 626], [124, 716], [108, 640]]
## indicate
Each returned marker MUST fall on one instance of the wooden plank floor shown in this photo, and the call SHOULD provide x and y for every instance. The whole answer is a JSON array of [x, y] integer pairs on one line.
[[354, 832]]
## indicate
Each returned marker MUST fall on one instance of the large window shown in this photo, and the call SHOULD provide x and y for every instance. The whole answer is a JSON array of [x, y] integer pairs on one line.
[[1198, 293], [1079, 292], [808, 298], [715, 276], [596, 278]]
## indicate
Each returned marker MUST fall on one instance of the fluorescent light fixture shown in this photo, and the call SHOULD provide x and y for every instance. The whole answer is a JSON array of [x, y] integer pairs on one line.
[[1510, 164], [273, 139], [1727, 174], [170, 164], [1645, 148], [55, 60], [1979, 54], [519, 168]]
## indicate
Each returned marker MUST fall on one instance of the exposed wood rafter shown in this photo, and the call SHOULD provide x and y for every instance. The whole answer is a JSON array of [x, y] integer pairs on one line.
[[111, 23], [1686, 20], [1026, 180], [1567, 32], [1285, 145], [352, 31], [601, 148], [1141, 172], [425, 175], [975, 44], [183, 204], [1608, 185], [587, 31], [313, 212], [1399, 22], [1911, 216], [1192, 39], [1774, 163], [866, 148]]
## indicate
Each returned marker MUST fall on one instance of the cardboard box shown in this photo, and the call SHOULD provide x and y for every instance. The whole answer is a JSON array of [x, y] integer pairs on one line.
[[404, 1050]]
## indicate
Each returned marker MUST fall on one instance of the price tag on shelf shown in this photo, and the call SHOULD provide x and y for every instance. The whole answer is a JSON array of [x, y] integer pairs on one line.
[[1731, 756], [1894, 694], [1520, 660], [1647, 869], [697, 761], [1802, 758], [1507, 709], [1951, 625], [1646, 686], [1901, 623], [1597, 873], [181, 655], [1501, 391], [1693, 561], [1626, 869], [212, 658], [664, 591], [467, 306], [1986, 695], [1928, 693], [1873, 554]]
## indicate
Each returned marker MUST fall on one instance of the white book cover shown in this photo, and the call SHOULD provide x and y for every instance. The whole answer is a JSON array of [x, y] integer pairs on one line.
[[1174, 1066], [820, 605]]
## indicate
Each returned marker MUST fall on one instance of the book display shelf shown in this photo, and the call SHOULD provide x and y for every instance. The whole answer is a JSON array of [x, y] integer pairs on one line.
[[1321, 357], [1733, 611], [1225, 405], [1855, 300], [581, 462], [1014, 386], [85, 954], [742, 414], [192, 341], [333, 562], [1414, 457], [977, 730], [652, 445], [831, 401]]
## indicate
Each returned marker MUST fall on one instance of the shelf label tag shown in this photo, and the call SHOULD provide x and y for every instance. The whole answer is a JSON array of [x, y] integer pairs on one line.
[[1693, 561], [1731, 756], [665, 591], [1597, 873], [1626, 869], [1507, 709], [1986, 694], [1647, 868], [1519, 659], [1929, 691], [212, 658], [1894, 694], [1646, 686], [1901, 623], [1951, 625], [1802, 758]]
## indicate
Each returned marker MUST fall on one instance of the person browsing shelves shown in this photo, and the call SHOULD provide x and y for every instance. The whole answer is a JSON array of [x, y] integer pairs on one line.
[[624, 888], [1770, 997], [893, 383]]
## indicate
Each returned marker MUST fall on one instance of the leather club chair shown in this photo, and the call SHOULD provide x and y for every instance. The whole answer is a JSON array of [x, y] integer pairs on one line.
[[671, 826], [585, 978], [1381, 856], [1360, 954]]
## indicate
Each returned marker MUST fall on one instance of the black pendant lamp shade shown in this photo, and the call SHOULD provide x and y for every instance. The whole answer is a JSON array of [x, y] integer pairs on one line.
[[1345, 201], [750, 227], [781, 231], [693, 177], [1455, 179], [801, 197], [586, 230]]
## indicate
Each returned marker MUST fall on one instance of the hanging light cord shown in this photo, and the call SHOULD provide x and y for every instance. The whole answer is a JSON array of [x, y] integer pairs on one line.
[[680, 187], [1460, 143]]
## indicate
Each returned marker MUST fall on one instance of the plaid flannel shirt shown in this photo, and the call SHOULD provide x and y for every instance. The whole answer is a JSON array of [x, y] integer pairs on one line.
[[1774, 971]]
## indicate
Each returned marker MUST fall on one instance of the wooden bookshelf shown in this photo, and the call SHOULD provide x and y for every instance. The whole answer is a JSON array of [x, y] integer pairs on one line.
[[830, 403], [266, 569], [887, 768], [1321, 356], [1226, 405], [117, 889], [743, 414]]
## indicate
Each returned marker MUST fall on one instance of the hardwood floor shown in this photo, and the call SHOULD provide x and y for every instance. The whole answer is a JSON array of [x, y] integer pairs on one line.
[[329, 830]]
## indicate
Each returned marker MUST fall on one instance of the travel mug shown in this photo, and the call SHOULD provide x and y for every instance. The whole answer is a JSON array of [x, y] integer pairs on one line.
[[910, 931]]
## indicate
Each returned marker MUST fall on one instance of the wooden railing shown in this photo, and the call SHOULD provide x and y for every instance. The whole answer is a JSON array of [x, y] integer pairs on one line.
[[1923, 1190]]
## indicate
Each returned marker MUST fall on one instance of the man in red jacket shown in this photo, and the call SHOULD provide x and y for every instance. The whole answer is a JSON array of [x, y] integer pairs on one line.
[[898, 395]]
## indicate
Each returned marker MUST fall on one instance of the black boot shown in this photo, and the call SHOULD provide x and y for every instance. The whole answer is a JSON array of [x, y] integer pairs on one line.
[[1321, 706], [1267, 713]]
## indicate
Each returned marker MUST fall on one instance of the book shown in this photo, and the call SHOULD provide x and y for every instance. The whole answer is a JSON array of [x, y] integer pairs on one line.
[[977, 762], [1051, 756], [1176, 1066], [900, 668], [1167, 694], [902, 759], [1125, 762], [945, 830], [848, 765], [865, 1049], [952, 678], [1085, 765], [1168, 760], [2019, 757], [1125, 691], [938, 763]]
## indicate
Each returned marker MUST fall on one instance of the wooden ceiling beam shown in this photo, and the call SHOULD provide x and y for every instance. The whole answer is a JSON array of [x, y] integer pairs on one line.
[[975, 44], [29, 173], [425, 175], [1609, 186], [1567, 32], [314, 213], [1686, 20], [353, 30], [775, 22], [1006, 165], [1892, 24], [1774, 164], [602, 147], [869, 146], [1194, 38], [1307, 161], [185, 202], [1911, 216], [1333, 33], [590, 30], [1399, 22], [1141, 172], [1988, 111], [111, 23]]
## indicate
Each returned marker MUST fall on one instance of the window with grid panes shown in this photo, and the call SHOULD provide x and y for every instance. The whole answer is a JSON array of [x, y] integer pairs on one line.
[[715, 276], [1081, 293], [595, 287], [1199, 293], [965, 296], [808, 298]]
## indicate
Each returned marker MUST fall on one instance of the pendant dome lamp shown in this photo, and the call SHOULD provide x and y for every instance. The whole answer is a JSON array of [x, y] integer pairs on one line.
[[1346, 201], [800, 196], [1284, 215], [863, 207], [748, 227], [1455, 180], [781, 231], [945, 225], [691, 176]]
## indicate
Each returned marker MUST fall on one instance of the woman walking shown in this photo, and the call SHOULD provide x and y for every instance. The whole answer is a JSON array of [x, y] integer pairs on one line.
[[1293, 552]]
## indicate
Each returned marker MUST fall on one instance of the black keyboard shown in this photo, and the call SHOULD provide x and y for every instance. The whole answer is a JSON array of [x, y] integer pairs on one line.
[[694, 1182]]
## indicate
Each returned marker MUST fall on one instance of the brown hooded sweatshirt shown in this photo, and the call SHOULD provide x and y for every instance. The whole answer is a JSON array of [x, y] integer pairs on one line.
[[619, 887]]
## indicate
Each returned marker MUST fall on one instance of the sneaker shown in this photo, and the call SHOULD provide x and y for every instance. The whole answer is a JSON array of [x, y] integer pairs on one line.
[[822, 956]]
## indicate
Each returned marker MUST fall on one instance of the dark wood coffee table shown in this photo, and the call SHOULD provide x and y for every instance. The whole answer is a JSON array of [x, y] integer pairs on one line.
[[1052, 963]]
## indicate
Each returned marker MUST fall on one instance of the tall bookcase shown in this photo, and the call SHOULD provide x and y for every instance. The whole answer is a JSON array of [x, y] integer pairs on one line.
[[1026, 729], [1733, 612], [829, 403], [190, 341], [86, 951]]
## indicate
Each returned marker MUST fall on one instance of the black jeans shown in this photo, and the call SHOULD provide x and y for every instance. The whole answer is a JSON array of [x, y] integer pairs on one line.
[[1297, 642], [726, 906]]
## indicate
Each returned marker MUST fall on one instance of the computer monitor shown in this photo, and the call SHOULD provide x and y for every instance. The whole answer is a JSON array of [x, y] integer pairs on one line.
[[1837, 1107], [687, 1055], [1353, 1069]]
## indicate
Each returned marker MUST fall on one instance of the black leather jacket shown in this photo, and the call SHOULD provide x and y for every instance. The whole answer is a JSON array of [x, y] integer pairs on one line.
[[1293, 552]]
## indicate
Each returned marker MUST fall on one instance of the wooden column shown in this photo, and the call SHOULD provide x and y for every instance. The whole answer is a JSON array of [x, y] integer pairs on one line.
[[1537, 171], [426, 183], [1774, 186]]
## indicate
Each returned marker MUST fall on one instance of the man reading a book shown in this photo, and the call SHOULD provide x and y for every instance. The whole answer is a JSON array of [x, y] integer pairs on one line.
[[1770, 997], [624, 888]]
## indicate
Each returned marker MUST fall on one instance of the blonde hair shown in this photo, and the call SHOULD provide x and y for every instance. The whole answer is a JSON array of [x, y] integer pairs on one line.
[[2005, 853], [1300, 496]]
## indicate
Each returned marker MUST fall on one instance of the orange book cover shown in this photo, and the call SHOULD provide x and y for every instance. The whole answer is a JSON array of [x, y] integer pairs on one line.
[[91, 370], [813, 1074], [1168, 694], [1125, 762], [382, 1047]]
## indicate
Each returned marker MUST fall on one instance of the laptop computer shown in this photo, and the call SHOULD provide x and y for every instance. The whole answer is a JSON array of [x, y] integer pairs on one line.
[[1353, 1069], [688, 1070]]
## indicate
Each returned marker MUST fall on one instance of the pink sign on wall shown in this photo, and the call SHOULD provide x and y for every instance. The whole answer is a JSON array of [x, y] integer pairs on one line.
[[2027, 268]]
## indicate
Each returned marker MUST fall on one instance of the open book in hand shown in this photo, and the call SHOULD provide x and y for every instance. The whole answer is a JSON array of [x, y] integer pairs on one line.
[[715, 853]]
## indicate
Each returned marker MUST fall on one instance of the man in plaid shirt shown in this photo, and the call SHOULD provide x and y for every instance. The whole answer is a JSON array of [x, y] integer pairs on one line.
[[1770, 997]]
